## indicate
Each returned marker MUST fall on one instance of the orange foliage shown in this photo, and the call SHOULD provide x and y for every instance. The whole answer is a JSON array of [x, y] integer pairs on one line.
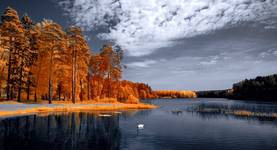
[[63, 66], [51, 63], [123, 91], [175, 94]]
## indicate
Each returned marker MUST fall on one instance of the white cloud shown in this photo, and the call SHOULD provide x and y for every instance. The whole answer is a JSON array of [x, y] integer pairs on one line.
[[183, 71], [141, 64], [270, 27], [212, 61], [274, 53], [141, 27], [270, 52], [264, 54]]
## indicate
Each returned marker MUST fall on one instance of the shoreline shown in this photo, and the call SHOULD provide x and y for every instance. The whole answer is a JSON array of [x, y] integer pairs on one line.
[[13, 109]]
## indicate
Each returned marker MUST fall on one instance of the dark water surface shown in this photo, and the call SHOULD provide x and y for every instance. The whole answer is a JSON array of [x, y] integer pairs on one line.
[[179, 124]]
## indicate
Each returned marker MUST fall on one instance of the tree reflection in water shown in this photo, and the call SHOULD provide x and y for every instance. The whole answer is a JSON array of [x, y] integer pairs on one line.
[[67, 131]]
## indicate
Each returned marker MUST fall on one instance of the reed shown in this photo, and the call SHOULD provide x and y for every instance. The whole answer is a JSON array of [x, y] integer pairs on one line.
[[69, 107]]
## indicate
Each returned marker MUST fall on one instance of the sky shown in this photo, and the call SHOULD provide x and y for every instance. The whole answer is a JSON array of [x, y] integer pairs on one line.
[[174, 44]]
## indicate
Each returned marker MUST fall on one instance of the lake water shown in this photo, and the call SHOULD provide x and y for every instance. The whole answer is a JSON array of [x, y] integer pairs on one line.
[[179, 124]]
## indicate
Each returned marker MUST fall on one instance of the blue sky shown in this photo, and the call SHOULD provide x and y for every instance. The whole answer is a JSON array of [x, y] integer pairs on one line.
[[174, 44]]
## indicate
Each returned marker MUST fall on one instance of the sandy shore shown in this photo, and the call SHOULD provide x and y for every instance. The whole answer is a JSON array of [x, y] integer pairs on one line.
[[9, 109]]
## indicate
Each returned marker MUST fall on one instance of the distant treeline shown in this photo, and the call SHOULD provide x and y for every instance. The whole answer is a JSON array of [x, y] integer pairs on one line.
[[260, 88], [215, 93]]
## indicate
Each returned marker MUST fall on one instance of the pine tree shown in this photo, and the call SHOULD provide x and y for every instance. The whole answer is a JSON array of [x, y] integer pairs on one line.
[[27, 56], [13, 30], [54, 36], [3, 61], [111, 66], [79, 52]]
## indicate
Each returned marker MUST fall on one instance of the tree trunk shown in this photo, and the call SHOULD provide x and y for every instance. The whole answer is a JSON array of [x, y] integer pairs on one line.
[[35, 97], [37, 80], [59, 96], [81, 92], [98, 91], [11, 92], [49, 91], [73, 76], [28, 87], [88, 84], [109, 85], [20, 84], [59, 91], [9, 76], [50, 80]]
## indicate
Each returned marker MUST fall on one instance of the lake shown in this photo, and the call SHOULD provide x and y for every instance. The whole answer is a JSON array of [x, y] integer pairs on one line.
[[178, 124]]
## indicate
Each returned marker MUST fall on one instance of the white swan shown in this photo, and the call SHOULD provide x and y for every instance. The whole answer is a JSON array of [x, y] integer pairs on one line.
[[104, 115], [140, 126]]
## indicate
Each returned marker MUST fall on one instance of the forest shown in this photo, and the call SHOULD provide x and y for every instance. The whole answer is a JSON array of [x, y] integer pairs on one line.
[[43, 61], [215, 93], [260, 88]]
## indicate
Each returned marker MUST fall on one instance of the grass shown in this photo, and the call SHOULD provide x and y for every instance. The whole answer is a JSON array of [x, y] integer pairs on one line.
[[239, 113], [12, 108]]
